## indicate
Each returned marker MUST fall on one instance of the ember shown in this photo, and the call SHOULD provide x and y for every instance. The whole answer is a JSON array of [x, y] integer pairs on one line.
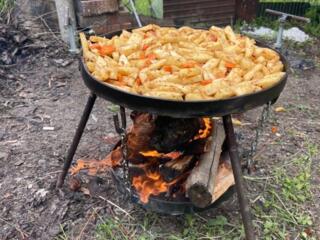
[[154, 153]]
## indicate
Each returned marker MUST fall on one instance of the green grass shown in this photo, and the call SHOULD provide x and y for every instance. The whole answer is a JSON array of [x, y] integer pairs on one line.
[[192, 228], [280, 211], [5, 7], [63, 235], [283, 212], [312, 28]]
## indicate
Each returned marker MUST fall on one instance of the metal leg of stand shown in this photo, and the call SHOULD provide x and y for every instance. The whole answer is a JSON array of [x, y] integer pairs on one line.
[[239, 182], [76, 139]]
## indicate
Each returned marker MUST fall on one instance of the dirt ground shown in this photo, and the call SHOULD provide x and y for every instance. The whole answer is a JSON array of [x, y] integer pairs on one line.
[[45, 89]]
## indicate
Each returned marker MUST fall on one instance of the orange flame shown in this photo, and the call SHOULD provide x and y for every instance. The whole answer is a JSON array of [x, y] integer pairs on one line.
[[152, 183], [94, 166], [155, 153], [149, 184], [203, 133]]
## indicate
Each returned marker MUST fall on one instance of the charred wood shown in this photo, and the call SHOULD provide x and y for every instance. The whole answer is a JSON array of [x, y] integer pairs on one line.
[[139, 135], [172, 133], [174, 168]]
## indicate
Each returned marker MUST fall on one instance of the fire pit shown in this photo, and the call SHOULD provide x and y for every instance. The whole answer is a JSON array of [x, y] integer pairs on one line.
[[190, 126], [160, 181]]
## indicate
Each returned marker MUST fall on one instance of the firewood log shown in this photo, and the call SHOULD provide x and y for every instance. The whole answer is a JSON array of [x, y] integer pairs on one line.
[[139, 135], [201, 182], [176, 167], [224, 178], [172, 133]]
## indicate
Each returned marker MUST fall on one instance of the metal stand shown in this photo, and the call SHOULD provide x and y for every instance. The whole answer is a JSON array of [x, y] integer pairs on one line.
[[236, 168], [76, 138], [233, 151]]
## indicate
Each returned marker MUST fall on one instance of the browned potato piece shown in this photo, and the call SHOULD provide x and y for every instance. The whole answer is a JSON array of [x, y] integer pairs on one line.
[[182, 64]]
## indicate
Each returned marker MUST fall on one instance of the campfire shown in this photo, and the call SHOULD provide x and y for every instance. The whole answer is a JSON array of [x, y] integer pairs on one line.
[[176, 159]]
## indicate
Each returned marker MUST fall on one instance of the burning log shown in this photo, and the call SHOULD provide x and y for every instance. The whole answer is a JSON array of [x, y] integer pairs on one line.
[[172, 133], [139, 135], [176, 167], [154, 136], [201, 182]]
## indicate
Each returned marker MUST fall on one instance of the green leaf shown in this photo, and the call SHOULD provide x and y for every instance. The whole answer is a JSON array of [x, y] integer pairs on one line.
[[218, 221]]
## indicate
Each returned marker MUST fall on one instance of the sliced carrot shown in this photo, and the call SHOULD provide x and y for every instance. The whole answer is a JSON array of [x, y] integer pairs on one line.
[[107, 50], [138, 81], [142, 55], [230, 65], [167, 68], [274, 129], [206, 82], [145, 47], [214, 38], [220, 75], [189, 64], [151, 56]]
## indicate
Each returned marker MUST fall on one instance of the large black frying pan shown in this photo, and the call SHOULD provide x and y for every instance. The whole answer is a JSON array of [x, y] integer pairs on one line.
[[182, 108]]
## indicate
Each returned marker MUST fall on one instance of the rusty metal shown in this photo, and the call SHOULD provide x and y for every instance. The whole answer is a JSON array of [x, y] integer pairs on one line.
[[200, 12], [122, 129], [239, 182], [76, 138], [265, 114], [124, 146]]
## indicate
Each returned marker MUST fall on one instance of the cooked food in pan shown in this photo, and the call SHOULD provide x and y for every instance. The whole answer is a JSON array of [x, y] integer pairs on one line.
[[182, 64]]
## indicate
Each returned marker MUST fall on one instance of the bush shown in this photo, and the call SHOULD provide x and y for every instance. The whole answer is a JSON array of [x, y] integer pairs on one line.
[[313, 27]]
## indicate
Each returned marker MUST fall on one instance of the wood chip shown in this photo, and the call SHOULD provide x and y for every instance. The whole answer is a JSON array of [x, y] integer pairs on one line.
[[236, 122], [47, 128], [280, 109]]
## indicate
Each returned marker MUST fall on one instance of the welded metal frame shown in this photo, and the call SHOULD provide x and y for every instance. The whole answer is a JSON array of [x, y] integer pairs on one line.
[[232, 148]]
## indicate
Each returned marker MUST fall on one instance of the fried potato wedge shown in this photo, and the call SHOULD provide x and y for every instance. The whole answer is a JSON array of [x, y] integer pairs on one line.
[[182, 64]]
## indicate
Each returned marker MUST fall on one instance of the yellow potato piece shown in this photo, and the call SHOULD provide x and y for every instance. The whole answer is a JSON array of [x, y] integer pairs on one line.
[[244, 88], [213, 87], [165, 95], [270, 80], [182, 64]]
